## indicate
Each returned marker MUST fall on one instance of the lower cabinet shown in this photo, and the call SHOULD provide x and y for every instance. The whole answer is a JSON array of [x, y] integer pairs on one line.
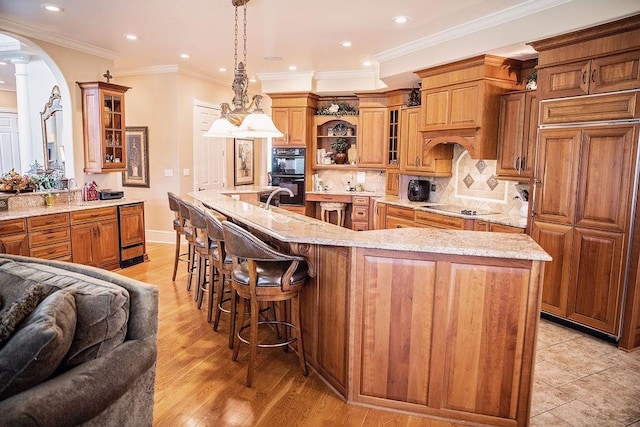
[[495, 227], [132, 239], [360, 213], [13, 237], [50, 236], [398, 217], [94, 237], [433, 220]]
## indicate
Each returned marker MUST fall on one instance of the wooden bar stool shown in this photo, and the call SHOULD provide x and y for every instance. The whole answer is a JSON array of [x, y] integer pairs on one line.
[[202, 247], [179, 227], [191, 239], [263, 275], [327, 207]]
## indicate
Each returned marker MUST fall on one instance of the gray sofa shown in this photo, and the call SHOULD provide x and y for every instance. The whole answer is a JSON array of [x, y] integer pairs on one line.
[[107, 371]]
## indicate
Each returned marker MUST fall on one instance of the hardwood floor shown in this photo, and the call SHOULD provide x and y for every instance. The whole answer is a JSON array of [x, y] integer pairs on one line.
[[197, 384]]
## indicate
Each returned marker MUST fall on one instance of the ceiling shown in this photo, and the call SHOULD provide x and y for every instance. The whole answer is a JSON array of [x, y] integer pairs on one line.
[[304, 33]]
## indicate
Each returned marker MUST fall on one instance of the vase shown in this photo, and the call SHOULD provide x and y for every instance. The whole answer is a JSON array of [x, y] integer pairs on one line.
[[352, 154], [340, 157]]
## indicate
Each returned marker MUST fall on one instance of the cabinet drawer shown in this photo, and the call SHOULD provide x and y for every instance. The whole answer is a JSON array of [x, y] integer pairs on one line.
[[13, 226], [399, 212], [439, 221], [360, 213], [502, 228], [132, 252], [360, 226], [97, 214], [328, 198], [619, 106], [56, 250], [394, 222], [46, 222], [360, 200], [55, 235]]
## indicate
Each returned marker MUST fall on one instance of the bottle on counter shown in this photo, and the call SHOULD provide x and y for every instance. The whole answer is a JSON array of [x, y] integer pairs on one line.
[[348, 186]]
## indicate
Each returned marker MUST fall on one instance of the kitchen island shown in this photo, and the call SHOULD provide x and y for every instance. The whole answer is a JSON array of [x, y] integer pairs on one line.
[[437, 323]]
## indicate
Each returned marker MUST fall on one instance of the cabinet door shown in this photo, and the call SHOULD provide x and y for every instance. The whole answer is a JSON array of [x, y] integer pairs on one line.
[[410, 140], [393, 138], [564, 80], [379, 215], [556, 174], [392, 182], [371, 138], [595, 291], [557, 241], [297, 126], [465, 105], [510, 134], [615, 72], [531, 113], [607, 158], [131, 225], [107, 243], [280, 118], [435, 110], [15, 244], [83, 250]]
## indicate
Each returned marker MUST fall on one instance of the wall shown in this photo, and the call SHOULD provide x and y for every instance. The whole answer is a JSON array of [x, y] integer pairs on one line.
[[8, 100]]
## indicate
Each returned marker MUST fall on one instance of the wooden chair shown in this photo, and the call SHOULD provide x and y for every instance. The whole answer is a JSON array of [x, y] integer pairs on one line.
[[190, 235], [179, 227], [263, 275], [327, 207], [202, 247]]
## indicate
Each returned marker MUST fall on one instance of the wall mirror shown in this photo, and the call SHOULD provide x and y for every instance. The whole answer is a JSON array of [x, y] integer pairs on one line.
[[52, 132]]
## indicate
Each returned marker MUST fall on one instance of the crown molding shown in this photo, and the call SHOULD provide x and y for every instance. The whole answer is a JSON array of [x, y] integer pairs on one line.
[[285, 76], [38, 34], [471, 27]]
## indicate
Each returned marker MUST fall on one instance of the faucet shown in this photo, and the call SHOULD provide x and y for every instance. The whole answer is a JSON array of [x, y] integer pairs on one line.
[[69, 189], [278, 190]]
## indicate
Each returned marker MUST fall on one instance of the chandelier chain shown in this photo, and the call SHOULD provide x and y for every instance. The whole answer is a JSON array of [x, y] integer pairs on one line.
[[235, 42], [244, 23]]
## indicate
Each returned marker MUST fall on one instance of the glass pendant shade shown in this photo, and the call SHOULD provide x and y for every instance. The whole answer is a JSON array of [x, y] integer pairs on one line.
[[257, 125], [221, 128]]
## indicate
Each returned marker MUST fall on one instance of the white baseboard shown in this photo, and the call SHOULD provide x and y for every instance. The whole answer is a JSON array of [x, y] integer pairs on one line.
[[159, 236]]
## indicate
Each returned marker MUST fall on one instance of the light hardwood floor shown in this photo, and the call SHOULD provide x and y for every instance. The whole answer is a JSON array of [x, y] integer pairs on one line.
[[580, 381]]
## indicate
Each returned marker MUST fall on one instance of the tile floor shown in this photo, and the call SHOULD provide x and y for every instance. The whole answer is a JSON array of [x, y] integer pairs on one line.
[[583, 381]]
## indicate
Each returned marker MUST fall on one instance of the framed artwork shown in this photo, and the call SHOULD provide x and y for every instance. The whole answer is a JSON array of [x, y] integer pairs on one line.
[[137, 173], [243, 161]]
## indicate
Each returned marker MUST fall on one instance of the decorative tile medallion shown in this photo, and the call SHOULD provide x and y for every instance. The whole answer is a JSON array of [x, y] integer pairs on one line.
[[492, 183], [468, 180], [481, 165]]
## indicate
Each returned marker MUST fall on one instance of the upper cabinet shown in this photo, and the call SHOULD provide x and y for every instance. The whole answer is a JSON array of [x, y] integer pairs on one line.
[[372, 131], [517, 135], [460, 102], [396, 99], [103, 124], [605, 58], [293, 116], [327, 130]]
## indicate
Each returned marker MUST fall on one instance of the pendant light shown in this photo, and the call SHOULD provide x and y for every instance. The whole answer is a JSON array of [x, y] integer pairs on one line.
[[239, 122]]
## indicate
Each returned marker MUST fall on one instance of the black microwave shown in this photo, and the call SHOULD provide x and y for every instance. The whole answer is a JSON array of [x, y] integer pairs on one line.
[[418, 190]]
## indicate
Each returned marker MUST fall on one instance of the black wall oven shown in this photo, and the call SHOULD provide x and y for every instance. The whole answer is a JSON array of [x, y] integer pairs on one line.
[[287, 171]]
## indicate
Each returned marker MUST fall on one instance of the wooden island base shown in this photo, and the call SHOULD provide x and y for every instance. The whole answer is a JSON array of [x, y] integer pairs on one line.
[[395, 321]]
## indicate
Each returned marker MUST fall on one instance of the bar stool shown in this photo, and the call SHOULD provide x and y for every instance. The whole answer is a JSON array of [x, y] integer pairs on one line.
[[223, 263], [191, 239], [327, 207], [178, 226], [202, 246], [261, 274]]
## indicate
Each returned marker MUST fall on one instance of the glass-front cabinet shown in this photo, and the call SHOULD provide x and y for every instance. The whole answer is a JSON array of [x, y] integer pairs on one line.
[[103, 127]]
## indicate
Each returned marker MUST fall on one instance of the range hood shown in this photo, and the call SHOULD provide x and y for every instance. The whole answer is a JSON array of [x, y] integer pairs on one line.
[[461, 102]]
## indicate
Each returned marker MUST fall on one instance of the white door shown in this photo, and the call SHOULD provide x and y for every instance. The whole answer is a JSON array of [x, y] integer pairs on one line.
[[9, 143], [209, 153]]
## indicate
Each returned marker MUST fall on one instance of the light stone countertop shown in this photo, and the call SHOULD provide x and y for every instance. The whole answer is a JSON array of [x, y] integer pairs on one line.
[[290, 227], [62, 207], [248, 189]]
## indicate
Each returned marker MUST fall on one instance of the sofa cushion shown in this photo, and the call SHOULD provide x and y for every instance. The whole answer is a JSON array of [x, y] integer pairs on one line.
[[20, 309], [102, 309], [38, 345]]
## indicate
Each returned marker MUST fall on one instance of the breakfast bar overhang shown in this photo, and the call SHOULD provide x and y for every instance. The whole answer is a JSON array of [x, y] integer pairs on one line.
[[436, 323]]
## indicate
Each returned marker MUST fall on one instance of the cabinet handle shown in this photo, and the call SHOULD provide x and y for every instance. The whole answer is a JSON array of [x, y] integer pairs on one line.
[[517, 164], [593, 76], [523, 163], [584, 77], [533, 197]]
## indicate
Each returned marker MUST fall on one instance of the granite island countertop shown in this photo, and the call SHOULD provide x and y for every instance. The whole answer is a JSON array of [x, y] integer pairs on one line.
[[290, 227]]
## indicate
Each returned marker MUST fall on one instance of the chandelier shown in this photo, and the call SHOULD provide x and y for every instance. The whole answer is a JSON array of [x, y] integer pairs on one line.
[[239, 122]]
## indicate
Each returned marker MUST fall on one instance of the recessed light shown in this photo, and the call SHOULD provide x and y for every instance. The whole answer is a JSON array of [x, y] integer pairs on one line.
[[131, 37], [293, 67], [346, 43], [222, 70], [51, 7], [366, 64], [401, 19], [184, 56], [253, 80]]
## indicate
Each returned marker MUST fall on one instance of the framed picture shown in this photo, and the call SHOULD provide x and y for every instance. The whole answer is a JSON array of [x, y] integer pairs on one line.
[[137, 173], [243, 162]]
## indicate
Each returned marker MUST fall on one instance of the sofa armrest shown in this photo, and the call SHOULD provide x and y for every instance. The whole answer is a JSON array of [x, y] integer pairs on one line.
[[85, 391]]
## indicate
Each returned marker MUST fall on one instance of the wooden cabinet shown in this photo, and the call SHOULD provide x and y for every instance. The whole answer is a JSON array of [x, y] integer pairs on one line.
[[609, 73], [103, 124], [50, 236], [399, 217], [324, 136], [132, 238], [379, 214], [392, 182], [13, 237], [434, 220], [292, 113], [581, 216], [360, 213], [372, 147], [517, 131], [94, 237], [481, 225], [460, 102], [393, 138], [415, 158]]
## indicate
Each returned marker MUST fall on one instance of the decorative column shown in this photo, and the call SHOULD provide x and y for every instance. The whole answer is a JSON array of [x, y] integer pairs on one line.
[[24, 110]]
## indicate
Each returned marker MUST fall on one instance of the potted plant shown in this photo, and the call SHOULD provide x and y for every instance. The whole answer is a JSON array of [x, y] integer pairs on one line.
[[340, 147]]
